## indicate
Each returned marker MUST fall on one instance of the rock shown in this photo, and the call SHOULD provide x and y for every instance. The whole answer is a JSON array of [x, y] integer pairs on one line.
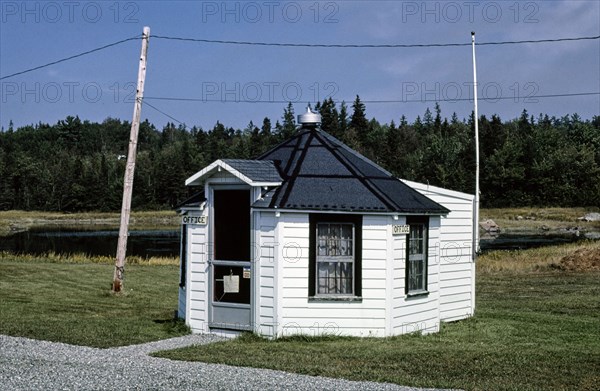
[[489, 226], [519, 218], [593, 216], [592, 235]]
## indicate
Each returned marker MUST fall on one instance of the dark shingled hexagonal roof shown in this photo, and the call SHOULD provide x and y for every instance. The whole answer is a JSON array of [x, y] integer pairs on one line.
[[320, 172]]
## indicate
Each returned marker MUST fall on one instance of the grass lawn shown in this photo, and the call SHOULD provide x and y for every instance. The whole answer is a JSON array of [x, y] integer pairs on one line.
[[535, 329], [72, 303]]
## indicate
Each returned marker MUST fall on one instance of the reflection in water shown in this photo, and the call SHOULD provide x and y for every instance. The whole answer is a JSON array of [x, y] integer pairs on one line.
[[522, 241], [92, 242], [146, 243]]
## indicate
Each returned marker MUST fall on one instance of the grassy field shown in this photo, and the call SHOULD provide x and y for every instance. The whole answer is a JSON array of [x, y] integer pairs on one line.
[[59, 300], [506, 218], [536, 328], [538, 218]]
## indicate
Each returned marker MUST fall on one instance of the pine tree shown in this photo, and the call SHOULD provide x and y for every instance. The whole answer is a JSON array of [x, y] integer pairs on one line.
[[359, 119], [359, 127], [392, 148], [266, 136], [403, 121], [255, 140], [343, 120], [265, 129], [437, 122], [289, 122], [428, 120], [330, 117]]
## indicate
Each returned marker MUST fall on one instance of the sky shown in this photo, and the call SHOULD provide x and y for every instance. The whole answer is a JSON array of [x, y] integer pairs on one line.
[[236, 84]]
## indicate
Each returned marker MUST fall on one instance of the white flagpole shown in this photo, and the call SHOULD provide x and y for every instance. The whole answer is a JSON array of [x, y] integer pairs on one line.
[[476, 247]]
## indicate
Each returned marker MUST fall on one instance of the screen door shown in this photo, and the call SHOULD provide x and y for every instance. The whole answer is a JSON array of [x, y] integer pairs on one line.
[[231, 267]]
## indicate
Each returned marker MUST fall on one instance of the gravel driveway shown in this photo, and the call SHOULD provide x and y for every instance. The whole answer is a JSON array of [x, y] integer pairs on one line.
[[27, 364]]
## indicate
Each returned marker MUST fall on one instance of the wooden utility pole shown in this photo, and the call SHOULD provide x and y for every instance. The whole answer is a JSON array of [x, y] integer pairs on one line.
[[117, 285]]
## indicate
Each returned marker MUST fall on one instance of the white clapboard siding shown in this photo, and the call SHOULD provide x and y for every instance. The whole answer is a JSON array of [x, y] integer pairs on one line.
[[299, 316], [418, 313], [267, 274], [197, 283], [457, 272]]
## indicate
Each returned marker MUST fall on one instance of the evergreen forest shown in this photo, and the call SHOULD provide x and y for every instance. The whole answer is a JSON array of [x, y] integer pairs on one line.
[[78, 165]]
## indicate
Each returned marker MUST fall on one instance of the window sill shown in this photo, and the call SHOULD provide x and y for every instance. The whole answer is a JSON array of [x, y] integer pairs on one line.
[[324, 299], [417, 294]]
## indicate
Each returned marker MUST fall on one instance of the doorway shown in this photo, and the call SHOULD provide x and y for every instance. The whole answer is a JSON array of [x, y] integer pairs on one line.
[[230, 272]]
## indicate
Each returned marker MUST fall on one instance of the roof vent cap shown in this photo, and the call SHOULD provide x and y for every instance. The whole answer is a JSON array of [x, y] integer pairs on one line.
[[309, 118]]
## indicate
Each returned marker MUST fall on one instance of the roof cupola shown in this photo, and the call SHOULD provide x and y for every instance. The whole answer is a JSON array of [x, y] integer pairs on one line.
[[310, 118]]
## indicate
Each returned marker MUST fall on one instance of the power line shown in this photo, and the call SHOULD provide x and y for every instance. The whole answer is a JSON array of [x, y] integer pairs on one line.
[[364, 101], [163, 113], [72, 57], [214, 100], [318, 45], [486, 98], [206, 100], [537, 41], [306, 45]]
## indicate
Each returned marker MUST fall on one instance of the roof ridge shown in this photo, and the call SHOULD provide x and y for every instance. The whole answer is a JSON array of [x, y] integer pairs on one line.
[[373, 164], [362, 177], [292, 178], [248, 160], [284, 142], [355, 153], [283, 171]]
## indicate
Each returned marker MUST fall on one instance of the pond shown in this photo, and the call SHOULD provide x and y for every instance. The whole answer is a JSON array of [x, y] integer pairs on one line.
[[525, 240], [165, 242], [69, 240]]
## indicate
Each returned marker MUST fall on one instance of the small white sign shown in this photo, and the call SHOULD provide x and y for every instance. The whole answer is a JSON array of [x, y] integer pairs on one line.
[[246, 273], [231, 284], [400, 229], [201, 220]]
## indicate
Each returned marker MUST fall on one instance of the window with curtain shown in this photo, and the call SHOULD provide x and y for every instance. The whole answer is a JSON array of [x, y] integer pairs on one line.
[[416, 267], [334, 269], [335, 258]]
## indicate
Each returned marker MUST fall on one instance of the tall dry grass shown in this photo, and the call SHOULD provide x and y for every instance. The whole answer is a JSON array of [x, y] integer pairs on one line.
[[534, 259], [52, 257]]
